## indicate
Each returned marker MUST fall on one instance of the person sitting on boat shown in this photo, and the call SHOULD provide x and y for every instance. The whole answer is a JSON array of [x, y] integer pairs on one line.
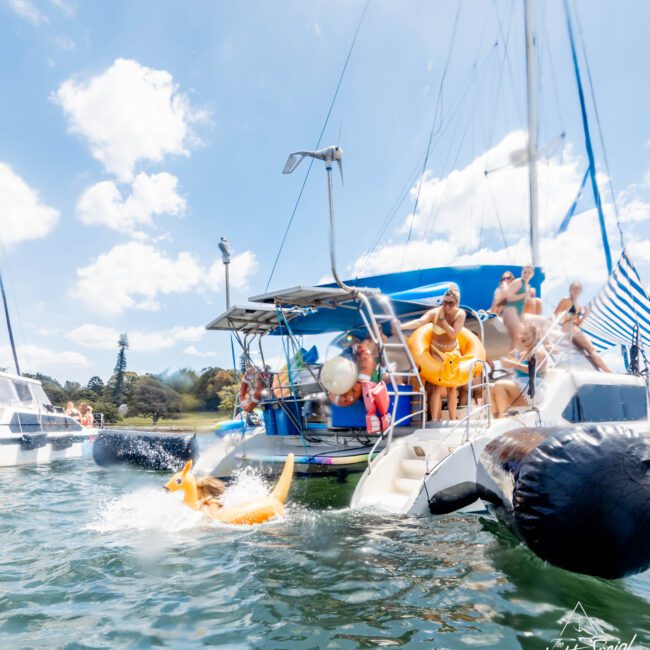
[[500, 298], [85, 414], [533, 304], [573, 319], [509, 392], [447, 320], [72, 411], [516, 295]]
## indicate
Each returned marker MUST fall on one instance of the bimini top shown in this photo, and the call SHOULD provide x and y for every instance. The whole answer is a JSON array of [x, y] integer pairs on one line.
[[328, 308]]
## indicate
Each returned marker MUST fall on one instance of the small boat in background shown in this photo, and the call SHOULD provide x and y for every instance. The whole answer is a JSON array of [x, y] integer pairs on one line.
[[34, 431]]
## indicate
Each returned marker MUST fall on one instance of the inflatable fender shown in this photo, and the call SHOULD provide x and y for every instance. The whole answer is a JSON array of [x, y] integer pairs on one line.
[[577, 496], [147, 450]]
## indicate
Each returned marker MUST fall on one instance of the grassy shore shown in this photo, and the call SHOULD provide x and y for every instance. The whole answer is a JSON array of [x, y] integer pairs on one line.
[[198, 420]]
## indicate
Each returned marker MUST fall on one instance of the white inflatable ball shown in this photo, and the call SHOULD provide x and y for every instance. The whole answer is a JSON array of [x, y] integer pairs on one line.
[[338, 375]]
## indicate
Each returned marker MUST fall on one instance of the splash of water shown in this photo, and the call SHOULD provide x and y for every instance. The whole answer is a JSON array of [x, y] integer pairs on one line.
[[146, 509], [247, 485]]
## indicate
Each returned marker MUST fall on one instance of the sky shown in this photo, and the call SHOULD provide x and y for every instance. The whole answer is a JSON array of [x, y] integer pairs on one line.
[[135, 135]]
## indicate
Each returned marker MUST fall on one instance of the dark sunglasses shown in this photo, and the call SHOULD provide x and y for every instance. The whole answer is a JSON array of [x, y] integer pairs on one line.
[[448, 302]]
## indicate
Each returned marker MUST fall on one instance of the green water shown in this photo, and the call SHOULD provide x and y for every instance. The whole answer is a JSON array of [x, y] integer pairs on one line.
[[94, 558]]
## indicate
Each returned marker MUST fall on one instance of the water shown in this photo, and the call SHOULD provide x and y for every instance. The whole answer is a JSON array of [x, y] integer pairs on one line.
[[93, 558]]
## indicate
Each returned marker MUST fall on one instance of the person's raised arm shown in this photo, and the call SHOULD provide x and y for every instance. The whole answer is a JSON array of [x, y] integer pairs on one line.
[[562, 306], [453, 329], [512, 291], [418, 322]]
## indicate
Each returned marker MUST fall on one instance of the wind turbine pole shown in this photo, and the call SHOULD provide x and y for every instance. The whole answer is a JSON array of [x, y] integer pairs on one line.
[[9, 330], [531, 88], [330, 198], [329, 155]]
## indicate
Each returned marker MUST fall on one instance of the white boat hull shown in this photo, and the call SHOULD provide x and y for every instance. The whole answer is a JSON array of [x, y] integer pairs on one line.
[[13, 452]]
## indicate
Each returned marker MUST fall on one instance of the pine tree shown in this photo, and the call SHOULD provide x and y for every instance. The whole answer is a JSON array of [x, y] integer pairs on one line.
[[120, 367]]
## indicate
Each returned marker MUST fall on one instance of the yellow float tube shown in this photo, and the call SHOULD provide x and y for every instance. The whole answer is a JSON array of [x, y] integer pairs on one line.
[[255, 512], [455, 368]]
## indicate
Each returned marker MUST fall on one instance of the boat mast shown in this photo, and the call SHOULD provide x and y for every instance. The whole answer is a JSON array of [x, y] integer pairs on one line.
[[9, 330], [531, 89]]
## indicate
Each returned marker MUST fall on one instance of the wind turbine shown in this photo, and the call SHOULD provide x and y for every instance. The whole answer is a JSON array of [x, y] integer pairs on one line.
[[328, 155]]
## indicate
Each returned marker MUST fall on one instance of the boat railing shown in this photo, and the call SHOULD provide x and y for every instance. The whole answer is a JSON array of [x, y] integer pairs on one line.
[[550, 361], [475, 411], [373, 319]]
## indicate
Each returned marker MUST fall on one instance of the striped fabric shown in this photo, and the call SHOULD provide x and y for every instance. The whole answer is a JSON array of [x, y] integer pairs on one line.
[[618, 309]]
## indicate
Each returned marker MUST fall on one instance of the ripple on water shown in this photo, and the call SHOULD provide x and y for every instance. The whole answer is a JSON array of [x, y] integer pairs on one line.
[[105, 559]]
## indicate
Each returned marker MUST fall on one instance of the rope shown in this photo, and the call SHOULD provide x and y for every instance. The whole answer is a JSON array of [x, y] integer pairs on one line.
[[600, 130], [437, 112], [318, 142]]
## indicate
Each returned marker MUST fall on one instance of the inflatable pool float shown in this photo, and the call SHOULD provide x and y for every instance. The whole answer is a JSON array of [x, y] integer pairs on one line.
[[455, 368], [253, 512]]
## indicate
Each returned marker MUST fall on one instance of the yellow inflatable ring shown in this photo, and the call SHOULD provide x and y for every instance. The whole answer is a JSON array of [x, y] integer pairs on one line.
[[454, 370]]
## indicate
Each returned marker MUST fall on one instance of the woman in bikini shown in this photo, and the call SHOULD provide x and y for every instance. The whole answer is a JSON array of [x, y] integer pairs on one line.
[[514, 392], [499, 300], [447, 322], [516, 295], [575, 315]]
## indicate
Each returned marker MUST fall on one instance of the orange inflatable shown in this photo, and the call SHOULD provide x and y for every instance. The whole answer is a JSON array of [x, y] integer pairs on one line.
[[453, 370], [255, 512]]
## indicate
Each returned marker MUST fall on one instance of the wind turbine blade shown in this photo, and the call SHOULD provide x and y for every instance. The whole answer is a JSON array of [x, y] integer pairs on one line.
[[292, 162], [341, 170]]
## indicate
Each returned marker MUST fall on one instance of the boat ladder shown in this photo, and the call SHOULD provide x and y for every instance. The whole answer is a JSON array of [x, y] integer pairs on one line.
[[378, 310]]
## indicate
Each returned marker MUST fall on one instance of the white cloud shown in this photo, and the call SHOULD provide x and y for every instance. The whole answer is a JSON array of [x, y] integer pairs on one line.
[[636, 209], [242, 267], [99, 337], [129, 113], [133, 275], [498, 200], [33, 358], [453, 210], [22, 215], [27, 10], [151, 195], [193, 351]]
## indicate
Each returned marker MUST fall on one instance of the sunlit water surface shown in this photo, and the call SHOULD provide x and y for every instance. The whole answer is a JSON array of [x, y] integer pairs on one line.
[[95, 558]]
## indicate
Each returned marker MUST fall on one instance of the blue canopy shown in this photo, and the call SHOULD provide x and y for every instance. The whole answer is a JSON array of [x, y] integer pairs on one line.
[[411, 293]]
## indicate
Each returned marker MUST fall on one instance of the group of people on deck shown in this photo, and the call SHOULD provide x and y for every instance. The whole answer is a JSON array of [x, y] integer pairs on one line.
[[82, 414], [515, 301]]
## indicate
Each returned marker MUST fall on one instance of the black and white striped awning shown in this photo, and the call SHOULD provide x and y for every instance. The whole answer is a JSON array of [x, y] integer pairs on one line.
[[620, 308]]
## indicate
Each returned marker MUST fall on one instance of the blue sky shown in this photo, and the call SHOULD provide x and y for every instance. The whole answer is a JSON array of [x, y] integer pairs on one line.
[[134, 135]]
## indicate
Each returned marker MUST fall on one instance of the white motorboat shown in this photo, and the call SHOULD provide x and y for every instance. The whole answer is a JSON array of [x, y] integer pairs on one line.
[[32, 430]]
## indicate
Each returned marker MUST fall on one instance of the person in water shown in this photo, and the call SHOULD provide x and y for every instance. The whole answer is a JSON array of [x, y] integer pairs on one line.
[[447, 320], [514, 392], [575, 315], [516, 294]]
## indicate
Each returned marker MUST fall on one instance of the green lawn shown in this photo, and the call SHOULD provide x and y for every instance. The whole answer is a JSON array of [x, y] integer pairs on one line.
[[199, 420]]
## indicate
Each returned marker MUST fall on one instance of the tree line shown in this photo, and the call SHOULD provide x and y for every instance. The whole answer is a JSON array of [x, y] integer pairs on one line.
[[154, 396]]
